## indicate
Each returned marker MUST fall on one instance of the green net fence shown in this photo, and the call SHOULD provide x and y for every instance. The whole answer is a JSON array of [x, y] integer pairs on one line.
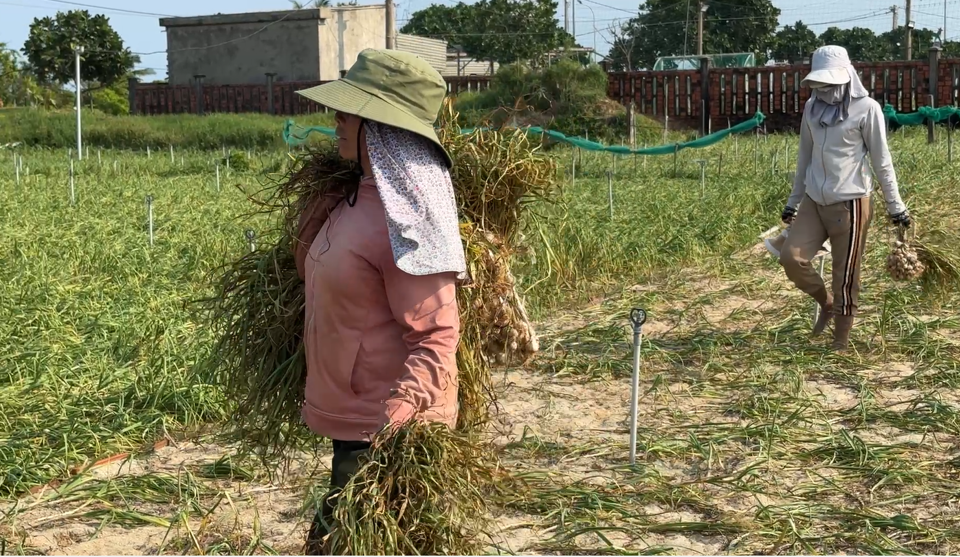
[[920, 117], [295, 135]]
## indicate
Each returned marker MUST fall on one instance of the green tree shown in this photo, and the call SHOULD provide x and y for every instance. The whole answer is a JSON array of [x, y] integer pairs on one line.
[[50, 49], [951, 49], [503, 31], [438, 21], [794, 42], [863, 45], [895, 43], [669, 28], [17, 86]]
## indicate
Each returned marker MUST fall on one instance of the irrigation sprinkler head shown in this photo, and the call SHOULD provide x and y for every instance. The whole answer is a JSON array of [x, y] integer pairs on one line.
[[638, 317], [249, 234], [702, 163], [149, 199]]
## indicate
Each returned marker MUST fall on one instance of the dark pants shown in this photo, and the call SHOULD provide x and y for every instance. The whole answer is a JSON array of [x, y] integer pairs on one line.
[[346, 461]]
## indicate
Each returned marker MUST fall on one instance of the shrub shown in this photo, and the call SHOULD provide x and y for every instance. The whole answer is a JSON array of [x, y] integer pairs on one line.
[[57, 129], [566, 96]]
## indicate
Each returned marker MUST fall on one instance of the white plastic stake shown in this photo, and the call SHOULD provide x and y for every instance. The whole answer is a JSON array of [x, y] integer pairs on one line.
[[703, 176], [16, 168], [73, 195], [816, 305], [637, 318], [756, 152], [114, 166], [218, 177], [88, 151], [148, 151], [99, 158], [949, 140], [172, 160], [150, 217], [610, 191]]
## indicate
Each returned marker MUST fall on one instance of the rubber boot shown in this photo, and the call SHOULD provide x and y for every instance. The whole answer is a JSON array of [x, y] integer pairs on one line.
[[842, 324], [825, 299]]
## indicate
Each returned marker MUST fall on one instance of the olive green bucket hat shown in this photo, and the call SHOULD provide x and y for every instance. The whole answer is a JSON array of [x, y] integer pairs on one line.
[[391, 87]]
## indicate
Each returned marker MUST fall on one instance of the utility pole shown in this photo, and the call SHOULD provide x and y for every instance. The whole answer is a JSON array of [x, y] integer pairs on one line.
[[391, 25], [909, 41], [895, 10], [573, 20], [566, 15], [76, 58], [703, 10]]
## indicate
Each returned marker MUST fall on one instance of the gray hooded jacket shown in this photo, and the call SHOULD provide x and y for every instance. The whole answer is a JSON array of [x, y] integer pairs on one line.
[[832, 162]]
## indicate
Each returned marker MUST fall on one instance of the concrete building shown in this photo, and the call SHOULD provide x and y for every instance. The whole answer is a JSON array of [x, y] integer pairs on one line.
[[296, 45]]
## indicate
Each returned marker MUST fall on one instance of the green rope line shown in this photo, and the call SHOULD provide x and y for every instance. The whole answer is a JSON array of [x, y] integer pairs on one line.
[[295, 135], [920, 117], [667, 149]]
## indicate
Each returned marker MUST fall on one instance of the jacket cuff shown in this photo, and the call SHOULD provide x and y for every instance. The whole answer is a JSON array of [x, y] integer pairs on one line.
[[398, 412], [895, 208]]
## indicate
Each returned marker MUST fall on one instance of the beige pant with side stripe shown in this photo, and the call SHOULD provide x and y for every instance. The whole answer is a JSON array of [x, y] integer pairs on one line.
[[846, 225]]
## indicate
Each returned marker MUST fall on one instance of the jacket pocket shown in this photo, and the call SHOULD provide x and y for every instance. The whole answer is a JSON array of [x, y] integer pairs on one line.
[[333, 392]]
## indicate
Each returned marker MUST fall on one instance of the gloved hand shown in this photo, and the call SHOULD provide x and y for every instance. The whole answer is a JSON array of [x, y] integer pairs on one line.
[[789, 213], [902, 219]]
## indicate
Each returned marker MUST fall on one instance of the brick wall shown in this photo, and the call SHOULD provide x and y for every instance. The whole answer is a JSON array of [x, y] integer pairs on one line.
[[734, 94], [152, 98]]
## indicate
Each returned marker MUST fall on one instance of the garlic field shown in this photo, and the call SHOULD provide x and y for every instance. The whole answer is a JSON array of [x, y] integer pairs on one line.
[[753, 437]]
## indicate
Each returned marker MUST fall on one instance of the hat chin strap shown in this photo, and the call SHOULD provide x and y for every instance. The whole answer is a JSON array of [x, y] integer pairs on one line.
[[352, 192]]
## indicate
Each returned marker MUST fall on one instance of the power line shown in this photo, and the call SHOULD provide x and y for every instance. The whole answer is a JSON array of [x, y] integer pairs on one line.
[[119, 10], [191, 48], [936, 15]]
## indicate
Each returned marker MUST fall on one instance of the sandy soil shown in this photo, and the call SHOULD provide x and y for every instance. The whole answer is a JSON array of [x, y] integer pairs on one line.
[[567, 414]]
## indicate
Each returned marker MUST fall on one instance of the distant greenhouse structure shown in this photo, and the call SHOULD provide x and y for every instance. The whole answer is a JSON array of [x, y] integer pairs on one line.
[[692, 62]]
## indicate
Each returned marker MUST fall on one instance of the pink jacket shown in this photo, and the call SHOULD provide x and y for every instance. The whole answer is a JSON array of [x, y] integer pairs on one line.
[[380, 343]]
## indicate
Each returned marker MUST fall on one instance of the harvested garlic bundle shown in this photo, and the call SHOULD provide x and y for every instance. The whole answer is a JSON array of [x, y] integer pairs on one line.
[[903, 263]]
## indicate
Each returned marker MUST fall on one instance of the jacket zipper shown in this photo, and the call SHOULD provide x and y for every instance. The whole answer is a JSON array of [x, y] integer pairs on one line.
[[823, 163]]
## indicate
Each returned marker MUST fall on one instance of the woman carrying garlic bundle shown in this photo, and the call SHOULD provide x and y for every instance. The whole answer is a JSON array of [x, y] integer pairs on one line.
[[381, 267], [842, 127]]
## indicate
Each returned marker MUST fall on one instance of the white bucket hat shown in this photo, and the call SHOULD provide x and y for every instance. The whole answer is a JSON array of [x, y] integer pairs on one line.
[[829, 64]]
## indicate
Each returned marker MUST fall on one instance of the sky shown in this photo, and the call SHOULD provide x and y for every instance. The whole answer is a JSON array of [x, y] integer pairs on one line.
[[138, 22]]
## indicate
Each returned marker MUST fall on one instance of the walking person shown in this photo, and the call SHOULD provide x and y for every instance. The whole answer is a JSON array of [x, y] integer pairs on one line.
[[381, 266], [842, 128]]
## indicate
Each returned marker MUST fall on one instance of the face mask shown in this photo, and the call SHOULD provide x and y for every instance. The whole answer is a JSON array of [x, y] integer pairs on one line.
[[832, 94]]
